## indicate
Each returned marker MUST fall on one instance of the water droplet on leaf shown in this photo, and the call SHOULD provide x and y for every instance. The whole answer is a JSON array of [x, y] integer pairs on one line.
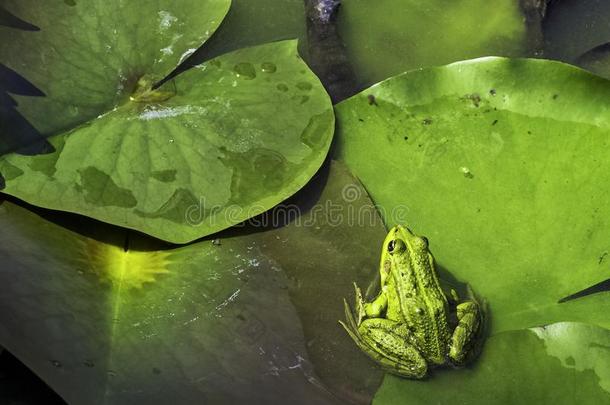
[[245, 70], [304, 86], [268, 67]]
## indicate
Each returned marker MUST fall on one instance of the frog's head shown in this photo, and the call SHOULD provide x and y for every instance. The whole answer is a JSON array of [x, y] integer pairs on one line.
[[399, 241]]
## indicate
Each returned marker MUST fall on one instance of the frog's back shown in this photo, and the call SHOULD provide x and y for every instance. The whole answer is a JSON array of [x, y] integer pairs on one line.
[[424, 305]]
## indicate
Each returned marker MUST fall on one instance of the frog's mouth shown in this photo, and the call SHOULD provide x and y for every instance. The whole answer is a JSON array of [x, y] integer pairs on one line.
[[397, 232]]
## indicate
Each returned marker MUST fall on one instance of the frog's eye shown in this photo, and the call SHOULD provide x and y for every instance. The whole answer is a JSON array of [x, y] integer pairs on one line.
[[395, 246]]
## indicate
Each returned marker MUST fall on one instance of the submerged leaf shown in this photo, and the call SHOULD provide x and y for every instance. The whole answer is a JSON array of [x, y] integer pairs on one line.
[[386, 37]]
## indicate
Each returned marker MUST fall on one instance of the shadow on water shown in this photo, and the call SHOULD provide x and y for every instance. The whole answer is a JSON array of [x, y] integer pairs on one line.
[[102, 232], [19, 385]]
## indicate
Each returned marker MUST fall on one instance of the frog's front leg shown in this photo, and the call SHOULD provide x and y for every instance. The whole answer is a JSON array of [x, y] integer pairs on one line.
[[372, 309], [469, 322]]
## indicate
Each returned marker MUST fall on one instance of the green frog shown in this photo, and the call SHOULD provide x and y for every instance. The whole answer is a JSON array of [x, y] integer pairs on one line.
[[412, 325]]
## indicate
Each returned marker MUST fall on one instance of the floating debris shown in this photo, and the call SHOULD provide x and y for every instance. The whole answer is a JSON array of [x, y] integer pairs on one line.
[[466, 172]]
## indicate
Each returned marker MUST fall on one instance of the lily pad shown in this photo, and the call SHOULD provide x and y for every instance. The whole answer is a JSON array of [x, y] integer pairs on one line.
[[563, 363], [108, 316], [503, 164], [89, 54], [387, 37], [236, 136]]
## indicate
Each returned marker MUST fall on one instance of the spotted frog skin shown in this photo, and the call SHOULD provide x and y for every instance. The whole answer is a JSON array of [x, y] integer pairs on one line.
[[411, 326]]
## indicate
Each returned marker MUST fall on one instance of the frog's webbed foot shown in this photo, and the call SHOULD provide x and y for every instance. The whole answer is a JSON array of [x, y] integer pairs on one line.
[[351, 327], [388, 343], [466, 332], [360, 311]]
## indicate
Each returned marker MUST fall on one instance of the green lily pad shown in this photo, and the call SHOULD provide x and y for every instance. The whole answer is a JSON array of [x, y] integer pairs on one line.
[[89, 54], [201, 153], [241, 133], [105, 316], [503, 164], [564, 363], [387, 37]]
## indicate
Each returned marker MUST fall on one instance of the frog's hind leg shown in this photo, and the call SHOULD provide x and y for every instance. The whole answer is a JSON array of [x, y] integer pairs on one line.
[[464, 335], [351, 327], [392, 345], [388, 343]]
